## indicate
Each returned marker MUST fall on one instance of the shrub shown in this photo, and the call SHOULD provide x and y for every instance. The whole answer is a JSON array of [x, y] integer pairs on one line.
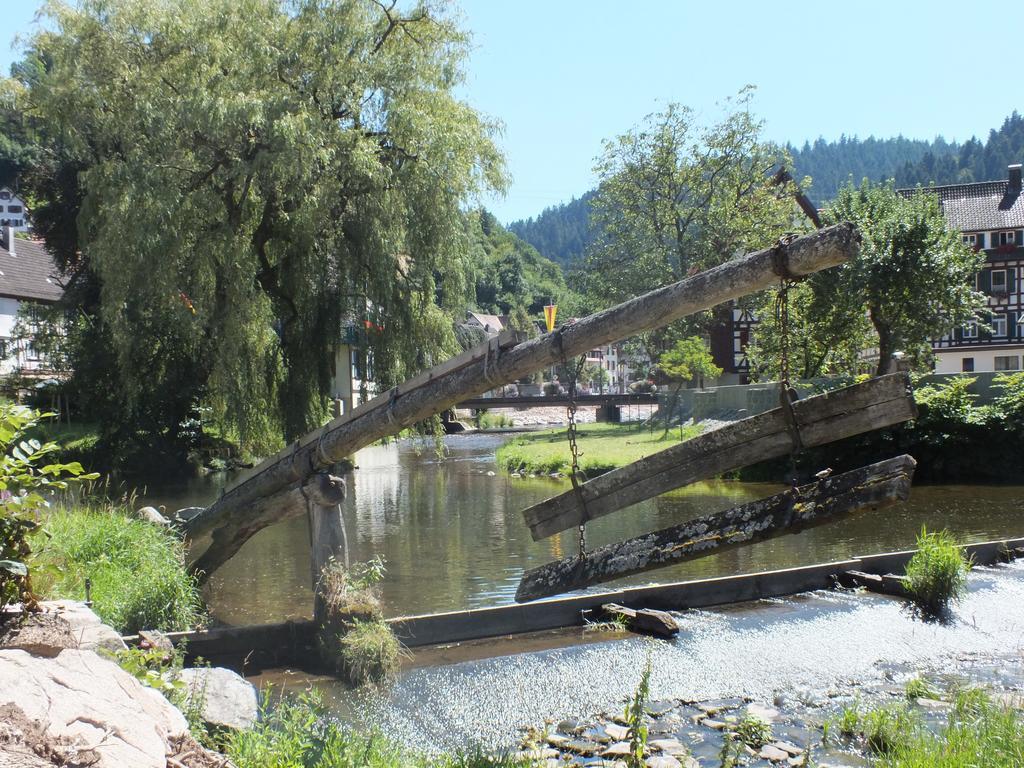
[[882, 730], [753, 731], [138, 571], [919, 688], [28, 480], [937, 573], [354, 639]]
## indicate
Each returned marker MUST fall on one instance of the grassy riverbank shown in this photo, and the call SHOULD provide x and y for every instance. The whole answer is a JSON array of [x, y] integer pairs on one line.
[[603, 447], [137, 569]]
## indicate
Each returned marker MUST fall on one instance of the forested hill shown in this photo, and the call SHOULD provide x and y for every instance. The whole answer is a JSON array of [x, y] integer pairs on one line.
[[831, 163], [562, 232]]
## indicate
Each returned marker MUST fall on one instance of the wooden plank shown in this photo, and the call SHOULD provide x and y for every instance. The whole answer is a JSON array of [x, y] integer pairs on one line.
[[741, 276], [646, 621], [822, 419], [793, 510]]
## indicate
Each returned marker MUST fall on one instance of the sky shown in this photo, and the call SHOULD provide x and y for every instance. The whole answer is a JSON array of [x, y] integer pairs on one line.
[[564, 76]]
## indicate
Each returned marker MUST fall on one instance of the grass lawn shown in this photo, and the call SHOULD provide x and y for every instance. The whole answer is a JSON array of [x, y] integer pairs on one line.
[[603, 447]]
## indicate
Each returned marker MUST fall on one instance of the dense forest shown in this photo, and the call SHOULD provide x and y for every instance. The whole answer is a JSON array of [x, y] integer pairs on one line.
[[562, 232]]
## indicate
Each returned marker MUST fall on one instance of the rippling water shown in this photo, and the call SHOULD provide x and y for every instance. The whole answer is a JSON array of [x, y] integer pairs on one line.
[[453, 535]]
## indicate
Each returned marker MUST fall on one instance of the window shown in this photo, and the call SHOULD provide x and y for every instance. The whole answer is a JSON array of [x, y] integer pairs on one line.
[[999, 281], [14, 209], [1003, 238], [967, 365], [1007, 362], [998, 325], [971, 331]]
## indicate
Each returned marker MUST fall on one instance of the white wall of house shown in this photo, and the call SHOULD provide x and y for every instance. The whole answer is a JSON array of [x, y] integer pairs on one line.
[[12, 211], [984, 359]]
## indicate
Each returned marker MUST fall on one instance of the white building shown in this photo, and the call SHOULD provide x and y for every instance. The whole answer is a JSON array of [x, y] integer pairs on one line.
[[28, 275], [12, 211]]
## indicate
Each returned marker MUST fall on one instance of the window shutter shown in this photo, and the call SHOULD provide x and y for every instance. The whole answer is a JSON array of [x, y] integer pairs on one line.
[[981, 240], [985, 281], [1018, 238]]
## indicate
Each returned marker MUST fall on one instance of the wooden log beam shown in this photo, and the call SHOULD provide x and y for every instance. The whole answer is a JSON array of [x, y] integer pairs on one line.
[[821, 419], [231, 514], [793, 510]]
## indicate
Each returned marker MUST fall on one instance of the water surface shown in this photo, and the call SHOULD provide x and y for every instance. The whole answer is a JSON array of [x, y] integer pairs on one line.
[[453, 535]]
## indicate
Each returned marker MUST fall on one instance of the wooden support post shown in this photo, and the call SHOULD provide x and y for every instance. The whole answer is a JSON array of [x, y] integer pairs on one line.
[[489, 366], [326, 530], [871, 487], [821, 419]]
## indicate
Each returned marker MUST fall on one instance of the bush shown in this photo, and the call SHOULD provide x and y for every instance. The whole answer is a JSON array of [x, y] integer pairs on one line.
[[298, 734], [881, 730], [354, 639], [138, 571], [937, 574]]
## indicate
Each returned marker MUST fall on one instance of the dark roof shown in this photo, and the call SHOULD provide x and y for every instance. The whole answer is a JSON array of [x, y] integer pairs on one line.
[[978, 206], [30, 273]]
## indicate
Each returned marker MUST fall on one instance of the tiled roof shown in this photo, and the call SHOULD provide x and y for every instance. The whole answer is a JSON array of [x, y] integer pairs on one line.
[[30, 273], [979, 206], [491, 322]]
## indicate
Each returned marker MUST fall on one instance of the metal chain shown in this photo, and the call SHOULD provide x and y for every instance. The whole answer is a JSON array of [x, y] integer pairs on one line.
[[786, 281], [575, 473]]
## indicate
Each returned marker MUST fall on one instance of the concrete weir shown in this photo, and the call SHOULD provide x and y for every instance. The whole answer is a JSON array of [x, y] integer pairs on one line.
[[289, 643]]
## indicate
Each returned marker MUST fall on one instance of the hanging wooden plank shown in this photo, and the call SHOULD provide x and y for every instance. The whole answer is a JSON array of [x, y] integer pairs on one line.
[[822, 419], [230, 514], [791, 511]]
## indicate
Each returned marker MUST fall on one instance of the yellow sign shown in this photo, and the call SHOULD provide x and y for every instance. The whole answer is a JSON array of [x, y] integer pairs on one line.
[[550, 311]]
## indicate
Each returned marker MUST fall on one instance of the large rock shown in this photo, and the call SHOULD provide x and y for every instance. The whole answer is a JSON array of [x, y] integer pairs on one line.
[[88, 630], [81, 699], [228, 699], [41, 634]]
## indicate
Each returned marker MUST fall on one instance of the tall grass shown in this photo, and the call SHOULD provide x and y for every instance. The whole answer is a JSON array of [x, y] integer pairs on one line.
[[138, 572], [937, 573], [979, 732], [297, 734]]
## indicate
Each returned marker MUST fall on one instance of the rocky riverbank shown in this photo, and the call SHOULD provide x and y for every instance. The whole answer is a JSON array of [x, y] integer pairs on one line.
[[65, 701]]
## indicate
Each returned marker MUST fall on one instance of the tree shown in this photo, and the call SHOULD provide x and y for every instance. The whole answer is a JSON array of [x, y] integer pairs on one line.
[[913, 278], [675, 198], [826, 335], [247, 177], [690, 358]]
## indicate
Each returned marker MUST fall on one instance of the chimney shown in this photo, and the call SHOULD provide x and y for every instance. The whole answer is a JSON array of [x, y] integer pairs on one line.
[[7, 238], [1014, 171]]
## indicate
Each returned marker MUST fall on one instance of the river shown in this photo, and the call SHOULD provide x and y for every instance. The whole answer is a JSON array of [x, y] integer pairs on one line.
[[453, 536]]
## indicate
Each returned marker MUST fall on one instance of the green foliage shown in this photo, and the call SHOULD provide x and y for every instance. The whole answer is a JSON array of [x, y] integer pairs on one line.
[[919, 688], [634, 715], [138, 572], [676, 197], [689, 358], [29, 476], [978, 732], [485, 420], [369, 652], [153, 668], [561, 232], [603, 447], [881, 730], [510, 276], [247, 177], [753, 731], [937, 573], [297, 733], [913, 277]]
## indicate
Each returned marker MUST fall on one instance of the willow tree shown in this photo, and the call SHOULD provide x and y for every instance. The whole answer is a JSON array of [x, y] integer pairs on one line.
[[252, 176], [676, 196]]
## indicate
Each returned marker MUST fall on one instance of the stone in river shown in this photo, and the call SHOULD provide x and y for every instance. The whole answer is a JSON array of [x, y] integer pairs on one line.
[[791, 749], [767, 714], [715, 725], [660, 708], [570, 727], [662, 761], [616, 731], [773, 753], [224, 698], [617, 749], [582, 747], [672, 747]]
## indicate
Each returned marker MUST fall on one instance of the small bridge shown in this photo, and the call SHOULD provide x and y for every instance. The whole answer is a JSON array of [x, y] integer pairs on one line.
[[546, 400]]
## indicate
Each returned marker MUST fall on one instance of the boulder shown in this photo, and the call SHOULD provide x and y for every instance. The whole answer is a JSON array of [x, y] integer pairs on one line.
[[152, 515], [41, 634], [91, 704], [89, 631], [228, 699]]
